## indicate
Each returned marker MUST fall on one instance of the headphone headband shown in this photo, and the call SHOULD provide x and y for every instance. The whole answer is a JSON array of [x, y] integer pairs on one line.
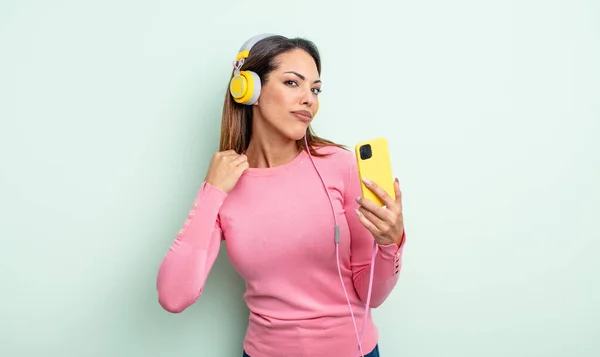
[[244, 51]]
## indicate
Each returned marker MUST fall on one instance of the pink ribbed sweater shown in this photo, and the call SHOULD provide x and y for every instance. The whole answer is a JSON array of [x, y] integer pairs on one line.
[[278, 227]]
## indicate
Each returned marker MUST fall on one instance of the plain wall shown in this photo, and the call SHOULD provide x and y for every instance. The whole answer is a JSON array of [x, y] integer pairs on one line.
[[110, 113]]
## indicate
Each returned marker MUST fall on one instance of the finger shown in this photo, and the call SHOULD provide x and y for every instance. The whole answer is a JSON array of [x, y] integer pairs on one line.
[[236, 160], [225, 156], [380, 192], [227, 153], [379, 223], [398, 192], [374, 208], [365, 222], [242, 167]]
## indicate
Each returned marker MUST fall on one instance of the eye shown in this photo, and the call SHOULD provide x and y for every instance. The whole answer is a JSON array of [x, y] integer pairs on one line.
[[294, 83]]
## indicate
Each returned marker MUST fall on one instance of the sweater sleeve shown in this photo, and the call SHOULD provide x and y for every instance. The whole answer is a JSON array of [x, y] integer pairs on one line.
[[187, 264], [388, 258]]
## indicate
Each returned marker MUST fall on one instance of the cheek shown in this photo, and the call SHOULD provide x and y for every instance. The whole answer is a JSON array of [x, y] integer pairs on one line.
[[280, 99], [276, 101]]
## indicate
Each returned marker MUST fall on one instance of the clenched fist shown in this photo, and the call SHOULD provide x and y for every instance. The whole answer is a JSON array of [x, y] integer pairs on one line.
[[225, 169]]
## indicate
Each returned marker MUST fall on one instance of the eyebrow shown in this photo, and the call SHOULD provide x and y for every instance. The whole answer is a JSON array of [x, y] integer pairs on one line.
[[301, 76]]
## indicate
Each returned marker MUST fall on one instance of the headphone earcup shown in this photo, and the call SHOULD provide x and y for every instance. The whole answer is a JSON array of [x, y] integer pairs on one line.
[[245, 87]]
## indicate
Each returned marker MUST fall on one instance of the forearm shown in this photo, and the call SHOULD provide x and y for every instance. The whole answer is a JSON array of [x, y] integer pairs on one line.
[[388, 264], [187, 264]]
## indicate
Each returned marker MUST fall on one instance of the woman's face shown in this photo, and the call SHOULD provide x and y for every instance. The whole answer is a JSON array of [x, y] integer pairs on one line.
[[289, 98]]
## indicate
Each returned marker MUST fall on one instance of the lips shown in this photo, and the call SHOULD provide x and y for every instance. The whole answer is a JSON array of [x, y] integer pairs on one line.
[[304, 115]]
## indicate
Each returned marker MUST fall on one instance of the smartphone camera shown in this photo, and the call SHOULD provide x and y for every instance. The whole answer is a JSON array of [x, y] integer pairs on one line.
[[365, 152]]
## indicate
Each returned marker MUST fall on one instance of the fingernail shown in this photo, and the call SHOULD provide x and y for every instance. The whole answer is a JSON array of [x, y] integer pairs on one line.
[[357, 212], [357, 199], [366, 181]]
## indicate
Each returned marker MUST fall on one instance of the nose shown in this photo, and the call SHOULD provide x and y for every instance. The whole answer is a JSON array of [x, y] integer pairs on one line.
[[308, 97]]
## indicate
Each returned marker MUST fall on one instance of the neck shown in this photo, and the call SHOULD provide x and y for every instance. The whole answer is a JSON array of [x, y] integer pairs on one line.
[[265, 152], [268, 147]]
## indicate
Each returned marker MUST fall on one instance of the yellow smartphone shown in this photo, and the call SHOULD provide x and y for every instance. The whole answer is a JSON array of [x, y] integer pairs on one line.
[[374, 163]]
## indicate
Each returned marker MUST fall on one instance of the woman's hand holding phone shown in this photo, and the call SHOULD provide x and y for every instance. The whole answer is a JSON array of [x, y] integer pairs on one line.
[[385, 223]]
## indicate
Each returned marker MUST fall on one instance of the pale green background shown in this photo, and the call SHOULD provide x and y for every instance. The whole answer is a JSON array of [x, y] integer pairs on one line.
[[110, 113]]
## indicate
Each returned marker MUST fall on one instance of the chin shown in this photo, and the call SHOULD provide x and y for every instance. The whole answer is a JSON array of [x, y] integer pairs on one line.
[[298, 132]]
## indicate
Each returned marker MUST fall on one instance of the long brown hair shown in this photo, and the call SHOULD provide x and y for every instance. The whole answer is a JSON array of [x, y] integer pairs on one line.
[[236, 124]]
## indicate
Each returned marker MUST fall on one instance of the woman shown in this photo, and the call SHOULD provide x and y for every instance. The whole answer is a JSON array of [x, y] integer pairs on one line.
[[307, 285]]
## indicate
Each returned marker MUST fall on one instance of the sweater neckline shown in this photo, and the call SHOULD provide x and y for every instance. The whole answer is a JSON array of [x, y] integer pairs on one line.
[[261, 171]]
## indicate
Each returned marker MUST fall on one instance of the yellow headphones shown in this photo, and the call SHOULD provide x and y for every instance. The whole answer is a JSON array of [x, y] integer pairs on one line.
[[245, 85]]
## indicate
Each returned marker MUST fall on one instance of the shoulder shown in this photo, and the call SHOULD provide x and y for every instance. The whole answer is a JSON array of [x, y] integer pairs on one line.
[[339, 159], [335, 154], [339, 168]]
